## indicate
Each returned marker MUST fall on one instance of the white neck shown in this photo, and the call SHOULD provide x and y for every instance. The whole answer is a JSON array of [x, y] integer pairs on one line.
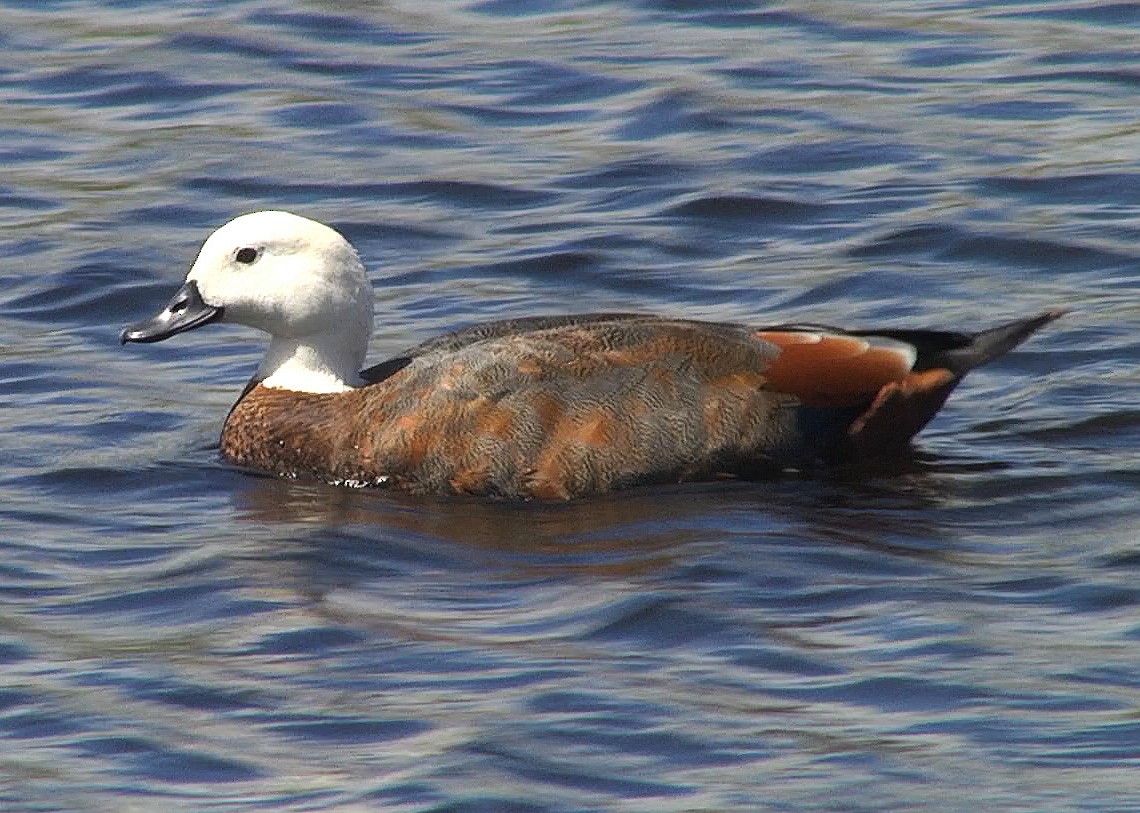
[[318, 364]]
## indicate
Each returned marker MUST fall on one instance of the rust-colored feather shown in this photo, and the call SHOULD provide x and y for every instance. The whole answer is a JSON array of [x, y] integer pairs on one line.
[[834, 370], [899, 412]]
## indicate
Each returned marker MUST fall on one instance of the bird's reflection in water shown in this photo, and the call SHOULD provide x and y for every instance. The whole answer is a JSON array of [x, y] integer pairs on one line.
[[616, 534], [464, 570], [623, 533]]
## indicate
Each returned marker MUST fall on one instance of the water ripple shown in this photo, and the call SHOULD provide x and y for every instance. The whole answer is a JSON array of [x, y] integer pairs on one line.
[[179, 634]]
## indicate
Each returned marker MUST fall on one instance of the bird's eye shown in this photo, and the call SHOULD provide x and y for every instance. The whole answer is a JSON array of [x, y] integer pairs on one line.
[[246, 256]]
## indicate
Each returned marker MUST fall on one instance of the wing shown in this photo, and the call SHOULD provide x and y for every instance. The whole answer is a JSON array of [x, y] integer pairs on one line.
[[820, 363], [586, 405]]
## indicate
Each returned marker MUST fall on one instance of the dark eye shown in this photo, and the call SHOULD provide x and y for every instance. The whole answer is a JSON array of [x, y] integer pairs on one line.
[[246, 256]]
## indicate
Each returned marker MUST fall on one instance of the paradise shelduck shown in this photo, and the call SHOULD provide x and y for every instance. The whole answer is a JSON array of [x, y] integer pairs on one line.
[[549, 407]]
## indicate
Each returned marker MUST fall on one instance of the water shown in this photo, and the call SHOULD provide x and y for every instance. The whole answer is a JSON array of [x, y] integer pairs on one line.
[[177, 635]]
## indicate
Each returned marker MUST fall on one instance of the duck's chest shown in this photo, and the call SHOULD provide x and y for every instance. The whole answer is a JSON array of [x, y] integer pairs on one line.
[[294, 434]]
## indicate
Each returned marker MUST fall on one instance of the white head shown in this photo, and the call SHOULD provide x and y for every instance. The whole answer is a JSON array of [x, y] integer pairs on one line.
[[296, 279]]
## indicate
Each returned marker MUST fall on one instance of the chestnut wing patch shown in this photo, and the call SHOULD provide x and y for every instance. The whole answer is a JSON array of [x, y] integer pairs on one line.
[[833, 369]]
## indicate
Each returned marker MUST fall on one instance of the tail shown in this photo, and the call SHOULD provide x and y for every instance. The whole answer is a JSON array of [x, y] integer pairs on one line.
[[903, 408], [986, 346]]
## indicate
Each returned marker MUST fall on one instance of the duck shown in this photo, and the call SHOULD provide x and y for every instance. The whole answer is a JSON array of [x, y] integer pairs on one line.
[[546, 407]]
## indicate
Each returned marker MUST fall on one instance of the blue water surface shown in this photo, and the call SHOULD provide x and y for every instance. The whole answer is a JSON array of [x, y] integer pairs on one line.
[[962, 635]]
